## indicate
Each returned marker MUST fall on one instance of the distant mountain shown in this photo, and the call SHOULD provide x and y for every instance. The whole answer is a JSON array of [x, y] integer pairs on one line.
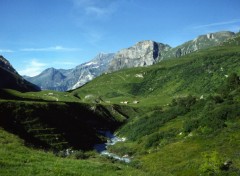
[[63, 80], [92, 69], [10, 79], [51, 79], [143, 53], [149, 52], [201, 42]]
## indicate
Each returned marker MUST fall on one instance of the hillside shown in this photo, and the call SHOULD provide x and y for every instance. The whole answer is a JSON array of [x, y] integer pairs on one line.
[[189, 123], [56, 121], [17, 159], [10, 79], [199, 43], [178, 117], [190, 136], [199, 73], [143, 53]]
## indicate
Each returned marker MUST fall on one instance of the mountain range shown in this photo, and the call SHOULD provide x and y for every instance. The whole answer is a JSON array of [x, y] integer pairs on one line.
[[63, 80], [179, 116], [143, 53]]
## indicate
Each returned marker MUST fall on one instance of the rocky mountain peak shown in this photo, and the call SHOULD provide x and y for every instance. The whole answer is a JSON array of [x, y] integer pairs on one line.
[[62, 80], [143, 53], [201, 42]]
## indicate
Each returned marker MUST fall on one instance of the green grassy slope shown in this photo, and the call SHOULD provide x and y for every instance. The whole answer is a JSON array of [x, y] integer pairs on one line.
[[192, 136], [16, 159], [190, 119], [186, 121], [199, 73], [58, 120]]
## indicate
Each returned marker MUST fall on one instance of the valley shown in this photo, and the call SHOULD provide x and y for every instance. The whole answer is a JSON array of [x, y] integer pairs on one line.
[[179, 116]]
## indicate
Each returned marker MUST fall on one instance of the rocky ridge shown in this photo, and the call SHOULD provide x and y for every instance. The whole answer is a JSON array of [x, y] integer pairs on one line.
[[63, 80], [143, 53], [201, 42], [10, 79]]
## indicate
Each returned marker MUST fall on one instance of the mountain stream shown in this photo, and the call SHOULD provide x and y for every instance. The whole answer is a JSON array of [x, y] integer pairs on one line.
[[112, 140]]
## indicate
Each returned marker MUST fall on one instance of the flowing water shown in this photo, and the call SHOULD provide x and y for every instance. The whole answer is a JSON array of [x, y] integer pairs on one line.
[[112, 140]]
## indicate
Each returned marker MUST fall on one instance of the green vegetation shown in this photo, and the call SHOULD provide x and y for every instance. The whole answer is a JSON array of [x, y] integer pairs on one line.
[[180, 117], [199, 73], [16, 159], [190, 136]]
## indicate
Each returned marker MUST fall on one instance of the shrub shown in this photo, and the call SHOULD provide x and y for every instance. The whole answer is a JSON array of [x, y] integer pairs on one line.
[[190, 125], [79, 154]]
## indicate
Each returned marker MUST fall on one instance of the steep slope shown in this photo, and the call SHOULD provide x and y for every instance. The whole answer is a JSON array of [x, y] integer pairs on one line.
[[148, 52], [92, 69], [198, 73], [190, 119], [58, 120], [201, 42], [185, 120], [191, 136], [62, 80], [58, 126], [10, 79], [50, 79], [17, 159], [143, 53]]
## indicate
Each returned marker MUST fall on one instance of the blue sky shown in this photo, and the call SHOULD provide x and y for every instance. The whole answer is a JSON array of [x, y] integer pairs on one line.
[[38, 34]]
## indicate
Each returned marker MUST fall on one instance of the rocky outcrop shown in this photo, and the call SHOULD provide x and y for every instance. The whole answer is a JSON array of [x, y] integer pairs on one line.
[[201, 42], [63, 80], [92, 69], [144, 53], [10, 79]]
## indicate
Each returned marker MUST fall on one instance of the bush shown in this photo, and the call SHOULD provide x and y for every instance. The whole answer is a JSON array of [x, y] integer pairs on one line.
[[190, 125], [79, 155], [156, 138], [185, 102], [232, 83]]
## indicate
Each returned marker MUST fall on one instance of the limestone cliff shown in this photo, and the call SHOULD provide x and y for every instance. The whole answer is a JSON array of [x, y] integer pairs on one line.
[[144, 53]]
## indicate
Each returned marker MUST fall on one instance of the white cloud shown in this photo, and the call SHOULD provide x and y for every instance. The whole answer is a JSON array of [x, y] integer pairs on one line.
[[54, 48], [6, 51], [217, 24], [33, 68], [96, 9]]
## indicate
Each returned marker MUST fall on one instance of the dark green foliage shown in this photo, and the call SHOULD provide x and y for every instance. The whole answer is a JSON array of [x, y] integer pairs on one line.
[[162, 139], [184, 102], [232, 83], [154, 139], [191, 125], [216, 110], [56, 125], [216, 118], [150, 123]]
